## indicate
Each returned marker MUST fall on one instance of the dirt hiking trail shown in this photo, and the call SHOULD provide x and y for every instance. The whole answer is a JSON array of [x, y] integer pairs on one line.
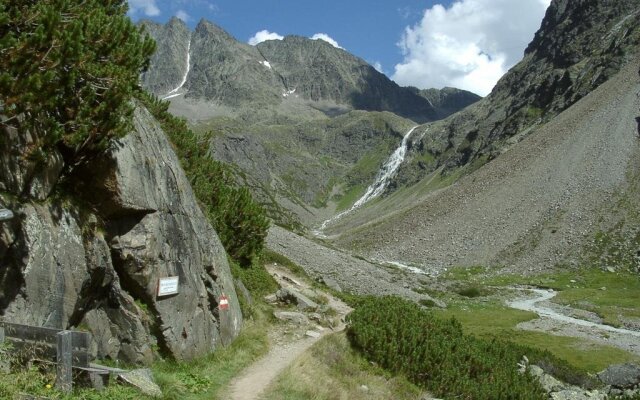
[[284, 348]]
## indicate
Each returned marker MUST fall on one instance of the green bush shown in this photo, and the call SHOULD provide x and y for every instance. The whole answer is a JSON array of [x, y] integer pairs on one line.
[[256, 279], [240, 222], [435, 354], [427, 303], [67, 73], [472, 291]]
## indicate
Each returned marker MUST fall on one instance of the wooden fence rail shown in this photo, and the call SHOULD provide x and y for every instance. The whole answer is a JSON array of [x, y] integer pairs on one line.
[[69, 349]]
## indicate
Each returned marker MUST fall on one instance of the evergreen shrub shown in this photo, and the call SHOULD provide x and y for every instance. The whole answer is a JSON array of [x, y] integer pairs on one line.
[[68, 70], [435, 353]]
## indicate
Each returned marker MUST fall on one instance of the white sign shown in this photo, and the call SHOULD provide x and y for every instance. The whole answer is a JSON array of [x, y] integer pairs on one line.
[[168, 286], [5, 214]]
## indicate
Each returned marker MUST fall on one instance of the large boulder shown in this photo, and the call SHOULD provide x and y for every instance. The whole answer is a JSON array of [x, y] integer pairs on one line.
[[621, 376], [155, 230], [93, 260]]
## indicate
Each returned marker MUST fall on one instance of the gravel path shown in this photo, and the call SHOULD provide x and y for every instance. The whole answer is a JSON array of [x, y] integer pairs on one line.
[[528, 209]]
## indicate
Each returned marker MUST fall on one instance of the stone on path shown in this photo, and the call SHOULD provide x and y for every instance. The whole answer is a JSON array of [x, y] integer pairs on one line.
[[295, 317], [292, 296], [313, 334], [142, 379]]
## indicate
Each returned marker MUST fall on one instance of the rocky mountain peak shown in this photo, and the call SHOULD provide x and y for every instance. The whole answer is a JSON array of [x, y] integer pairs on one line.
[[228, 72], [208, 29]]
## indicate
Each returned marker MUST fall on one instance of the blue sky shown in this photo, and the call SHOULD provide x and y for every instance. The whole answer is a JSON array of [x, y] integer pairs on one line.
[[424, 43]]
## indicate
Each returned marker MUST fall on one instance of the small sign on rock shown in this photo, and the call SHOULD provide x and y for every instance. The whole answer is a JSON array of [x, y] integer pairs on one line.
[[168, 286]]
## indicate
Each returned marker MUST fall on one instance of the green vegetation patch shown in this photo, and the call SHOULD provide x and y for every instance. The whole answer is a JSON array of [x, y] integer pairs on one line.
[[434, 353], [350, 197], [492, 321], [464, 273], [255, 278], [269, 256], [611, 295], [205, 378]]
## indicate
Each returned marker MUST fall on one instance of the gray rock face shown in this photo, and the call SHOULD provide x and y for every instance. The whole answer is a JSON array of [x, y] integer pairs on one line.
[[62, 266], [621, 376], [318, 71], [22, 175], [558, 390], [156, 229]]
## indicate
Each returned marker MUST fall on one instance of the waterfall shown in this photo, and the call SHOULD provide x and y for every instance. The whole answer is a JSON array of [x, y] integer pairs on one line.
[[381, 182], [174, 93]]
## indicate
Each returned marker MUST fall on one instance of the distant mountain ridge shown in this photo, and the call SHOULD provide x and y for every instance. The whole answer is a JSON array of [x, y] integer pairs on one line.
[[235, 74]]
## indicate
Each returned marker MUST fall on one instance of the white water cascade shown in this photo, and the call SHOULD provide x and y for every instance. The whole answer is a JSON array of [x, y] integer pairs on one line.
[[174, 93], [379, 185]]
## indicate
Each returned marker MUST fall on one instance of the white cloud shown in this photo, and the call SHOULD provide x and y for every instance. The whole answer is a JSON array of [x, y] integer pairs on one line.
[[263, 35], [326, 38], [182, 14], [469, 45], [378, 67], [148, 7]]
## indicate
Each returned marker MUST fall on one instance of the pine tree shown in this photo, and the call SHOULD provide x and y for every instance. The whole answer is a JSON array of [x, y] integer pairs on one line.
[[68, 70]]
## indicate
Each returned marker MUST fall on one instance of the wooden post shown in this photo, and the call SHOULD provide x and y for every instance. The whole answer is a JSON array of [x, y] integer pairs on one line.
[[5, 364], [64, 379]]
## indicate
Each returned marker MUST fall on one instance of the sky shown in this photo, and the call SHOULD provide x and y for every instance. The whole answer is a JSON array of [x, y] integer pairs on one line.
[[468, 44]]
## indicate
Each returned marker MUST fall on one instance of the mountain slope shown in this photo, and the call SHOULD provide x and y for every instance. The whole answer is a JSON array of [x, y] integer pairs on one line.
[[169, 61], [318, 71], [580, 45], [448, 100], [558, 140], [534, 206]]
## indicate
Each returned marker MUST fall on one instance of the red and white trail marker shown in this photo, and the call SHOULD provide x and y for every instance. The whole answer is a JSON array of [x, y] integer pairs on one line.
[[223, 303]]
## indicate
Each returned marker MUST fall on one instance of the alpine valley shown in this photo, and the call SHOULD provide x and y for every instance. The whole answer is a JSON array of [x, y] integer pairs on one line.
[[523, 179], [217, 220]]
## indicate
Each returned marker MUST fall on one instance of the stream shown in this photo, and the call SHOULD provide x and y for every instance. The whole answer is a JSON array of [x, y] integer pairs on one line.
[[532, 304]]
